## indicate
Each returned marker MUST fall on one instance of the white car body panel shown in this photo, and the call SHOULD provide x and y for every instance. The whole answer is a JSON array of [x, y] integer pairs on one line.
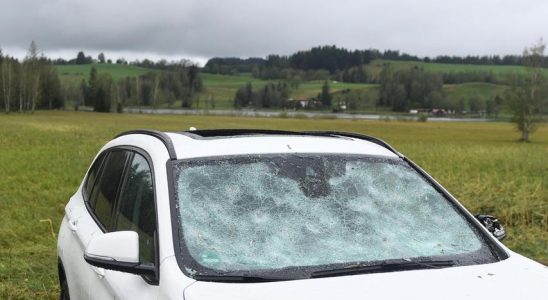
[[273, 144], [88, 282], [513, 278], [172, 280]]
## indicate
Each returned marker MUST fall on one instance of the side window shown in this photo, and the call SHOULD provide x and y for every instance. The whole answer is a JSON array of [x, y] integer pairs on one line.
[[105, 192], [92, 175], [136, 207]]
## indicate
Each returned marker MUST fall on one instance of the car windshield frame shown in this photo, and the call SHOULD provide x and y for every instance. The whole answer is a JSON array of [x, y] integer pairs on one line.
[[193, 269]]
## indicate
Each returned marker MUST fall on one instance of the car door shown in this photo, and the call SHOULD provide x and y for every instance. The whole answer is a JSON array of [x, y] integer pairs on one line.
[[117, 194], [101, 205], [89, 213], [135, 210], [76, 230]]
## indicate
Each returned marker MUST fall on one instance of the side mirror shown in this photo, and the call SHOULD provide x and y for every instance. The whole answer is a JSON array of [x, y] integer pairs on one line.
[[118, 251], [492, 225]]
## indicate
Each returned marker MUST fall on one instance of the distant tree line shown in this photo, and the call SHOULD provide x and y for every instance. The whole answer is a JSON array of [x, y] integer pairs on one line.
[[162, 64], [272, 95], [80, 59], [505, 60], [329, 58], [30, 84], [333, 59], [33, 83], [276, 95], [232, 65], [331, 62], [404, 89], [151, 89], [399, 90], [469, 76]]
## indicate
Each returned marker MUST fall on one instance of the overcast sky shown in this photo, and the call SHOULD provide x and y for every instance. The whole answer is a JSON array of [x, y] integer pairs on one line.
[[202, 29]]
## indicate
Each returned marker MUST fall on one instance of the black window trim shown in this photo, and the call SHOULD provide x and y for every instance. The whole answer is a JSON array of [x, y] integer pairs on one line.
[[101, 157], [187, 261], [132, 150], [91, 209]]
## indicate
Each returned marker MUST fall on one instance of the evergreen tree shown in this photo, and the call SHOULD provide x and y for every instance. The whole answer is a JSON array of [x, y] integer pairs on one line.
[[325, 96], [93, 86], [81, 58]]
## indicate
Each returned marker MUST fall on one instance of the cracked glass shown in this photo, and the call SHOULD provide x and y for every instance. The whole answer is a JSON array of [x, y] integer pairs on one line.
[[300, 210]]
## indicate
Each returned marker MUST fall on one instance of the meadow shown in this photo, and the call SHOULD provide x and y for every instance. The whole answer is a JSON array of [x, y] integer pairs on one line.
[[43, 158]]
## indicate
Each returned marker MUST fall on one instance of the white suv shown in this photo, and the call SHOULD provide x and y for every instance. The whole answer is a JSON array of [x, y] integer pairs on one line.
[[257, 214]]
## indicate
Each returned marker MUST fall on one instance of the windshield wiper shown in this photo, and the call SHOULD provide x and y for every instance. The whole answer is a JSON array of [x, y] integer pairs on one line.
[[238, 278], [387, 266]]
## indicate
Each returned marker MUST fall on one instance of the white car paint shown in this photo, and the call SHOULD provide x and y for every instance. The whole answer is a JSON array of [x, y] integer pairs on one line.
[[513, 278], [277, 144], [116, 246]]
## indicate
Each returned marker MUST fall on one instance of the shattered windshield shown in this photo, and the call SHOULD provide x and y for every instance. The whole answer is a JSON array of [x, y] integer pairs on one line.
[[301, 210]]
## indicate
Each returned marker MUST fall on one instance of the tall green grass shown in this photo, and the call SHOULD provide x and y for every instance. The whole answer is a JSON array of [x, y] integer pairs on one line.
[[43, 157]]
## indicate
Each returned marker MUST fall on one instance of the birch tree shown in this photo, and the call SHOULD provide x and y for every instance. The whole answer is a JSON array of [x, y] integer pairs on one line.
[[5, 78]]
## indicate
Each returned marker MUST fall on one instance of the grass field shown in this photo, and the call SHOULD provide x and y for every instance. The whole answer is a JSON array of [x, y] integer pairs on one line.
[[44, 156]]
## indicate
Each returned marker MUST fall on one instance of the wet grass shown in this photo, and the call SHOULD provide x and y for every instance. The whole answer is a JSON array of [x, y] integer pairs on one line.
[[43, 157]]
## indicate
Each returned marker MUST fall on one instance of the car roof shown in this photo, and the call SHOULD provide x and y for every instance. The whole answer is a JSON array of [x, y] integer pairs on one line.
[[226, 142]]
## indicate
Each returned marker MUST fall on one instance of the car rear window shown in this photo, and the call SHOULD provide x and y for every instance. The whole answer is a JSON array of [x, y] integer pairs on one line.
[[92, 176], [107, 189]]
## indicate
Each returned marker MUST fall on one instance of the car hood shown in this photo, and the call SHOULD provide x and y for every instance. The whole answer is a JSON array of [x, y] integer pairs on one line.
[[514, 278]]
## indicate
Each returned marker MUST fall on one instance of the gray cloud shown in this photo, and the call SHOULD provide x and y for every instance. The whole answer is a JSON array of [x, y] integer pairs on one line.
[[201, 29]]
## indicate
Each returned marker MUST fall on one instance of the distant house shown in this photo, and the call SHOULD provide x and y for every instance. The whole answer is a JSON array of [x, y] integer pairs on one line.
[[304, 103], [438, 112]]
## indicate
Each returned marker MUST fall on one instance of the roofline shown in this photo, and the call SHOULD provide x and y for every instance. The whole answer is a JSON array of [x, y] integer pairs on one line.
[[368, 138], [163, 137], [219, 133]]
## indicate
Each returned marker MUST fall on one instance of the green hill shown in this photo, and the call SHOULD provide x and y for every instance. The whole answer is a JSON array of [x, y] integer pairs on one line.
[[454, 92], [375, 66], [75, 73], [223, 87]]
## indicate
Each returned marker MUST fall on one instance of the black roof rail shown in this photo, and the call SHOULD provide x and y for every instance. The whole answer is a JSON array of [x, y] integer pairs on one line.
[[215, 133], [164, 138]]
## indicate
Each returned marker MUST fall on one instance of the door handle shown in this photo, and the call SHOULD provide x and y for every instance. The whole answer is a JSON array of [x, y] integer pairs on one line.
[[72, 225], [71, 222]]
